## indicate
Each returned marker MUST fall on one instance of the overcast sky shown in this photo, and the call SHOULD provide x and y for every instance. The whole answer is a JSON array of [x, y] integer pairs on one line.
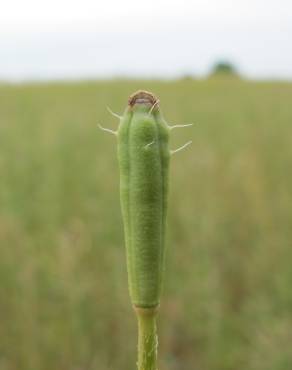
[[163, 38]]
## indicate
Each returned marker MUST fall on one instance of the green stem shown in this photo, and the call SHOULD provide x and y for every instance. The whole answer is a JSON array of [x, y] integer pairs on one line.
[[147, 338]]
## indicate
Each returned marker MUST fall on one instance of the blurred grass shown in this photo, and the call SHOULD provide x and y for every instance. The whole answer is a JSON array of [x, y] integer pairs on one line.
[[227, 299]]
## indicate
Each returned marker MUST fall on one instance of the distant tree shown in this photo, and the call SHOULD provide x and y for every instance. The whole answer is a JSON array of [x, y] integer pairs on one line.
[[224, 68]]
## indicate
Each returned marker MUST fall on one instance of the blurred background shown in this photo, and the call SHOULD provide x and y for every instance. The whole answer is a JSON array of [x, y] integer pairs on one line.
[[223, 65]]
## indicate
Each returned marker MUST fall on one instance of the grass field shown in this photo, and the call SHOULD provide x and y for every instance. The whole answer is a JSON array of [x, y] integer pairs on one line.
[[227, 302]]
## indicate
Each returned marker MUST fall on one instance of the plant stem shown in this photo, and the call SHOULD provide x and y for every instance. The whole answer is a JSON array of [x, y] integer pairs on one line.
[[147, 338]]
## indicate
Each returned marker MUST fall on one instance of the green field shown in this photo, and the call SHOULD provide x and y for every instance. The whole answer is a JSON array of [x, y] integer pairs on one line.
[[227, 302]]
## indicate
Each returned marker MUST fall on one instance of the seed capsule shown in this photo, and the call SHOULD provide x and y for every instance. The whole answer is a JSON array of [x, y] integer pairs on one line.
[[143, 155]]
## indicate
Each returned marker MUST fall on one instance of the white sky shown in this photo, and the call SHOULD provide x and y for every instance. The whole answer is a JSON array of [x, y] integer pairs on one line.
[[94, 38]]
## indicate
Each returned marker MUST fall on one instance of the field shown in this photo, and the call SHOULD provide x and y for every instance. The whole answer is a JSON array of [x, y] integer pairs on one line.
[[227, 302]]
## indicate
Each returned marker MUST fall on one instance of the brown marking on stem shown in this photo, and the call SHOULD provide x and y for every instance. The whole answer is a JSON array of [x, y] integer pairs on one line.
[[146, 310]]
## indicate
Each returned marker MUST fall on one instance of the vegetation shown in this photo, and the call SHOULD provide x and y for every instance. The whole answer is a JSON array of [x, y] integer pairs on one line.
[[224, 68], [64, 301]]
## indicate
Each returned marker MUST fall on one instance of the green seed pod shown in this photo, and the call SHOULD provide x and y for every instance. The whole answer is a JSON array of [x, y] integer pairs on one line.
[[143, 154]]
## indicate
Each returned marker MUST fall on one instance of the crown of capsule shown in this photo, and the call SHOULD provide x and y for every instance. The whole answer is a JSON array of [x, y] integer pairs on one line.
[[142, 97]]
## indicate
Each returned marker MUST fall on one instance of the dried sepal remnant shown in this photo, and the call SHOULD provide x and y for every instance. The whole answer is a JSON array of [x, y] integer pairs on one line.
[[142, 97]]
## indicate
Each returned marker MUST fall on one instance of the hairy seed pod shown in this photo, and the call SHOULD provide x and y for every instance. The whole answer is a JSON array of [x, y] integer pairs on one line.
[[144, 164], [143, 155]]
